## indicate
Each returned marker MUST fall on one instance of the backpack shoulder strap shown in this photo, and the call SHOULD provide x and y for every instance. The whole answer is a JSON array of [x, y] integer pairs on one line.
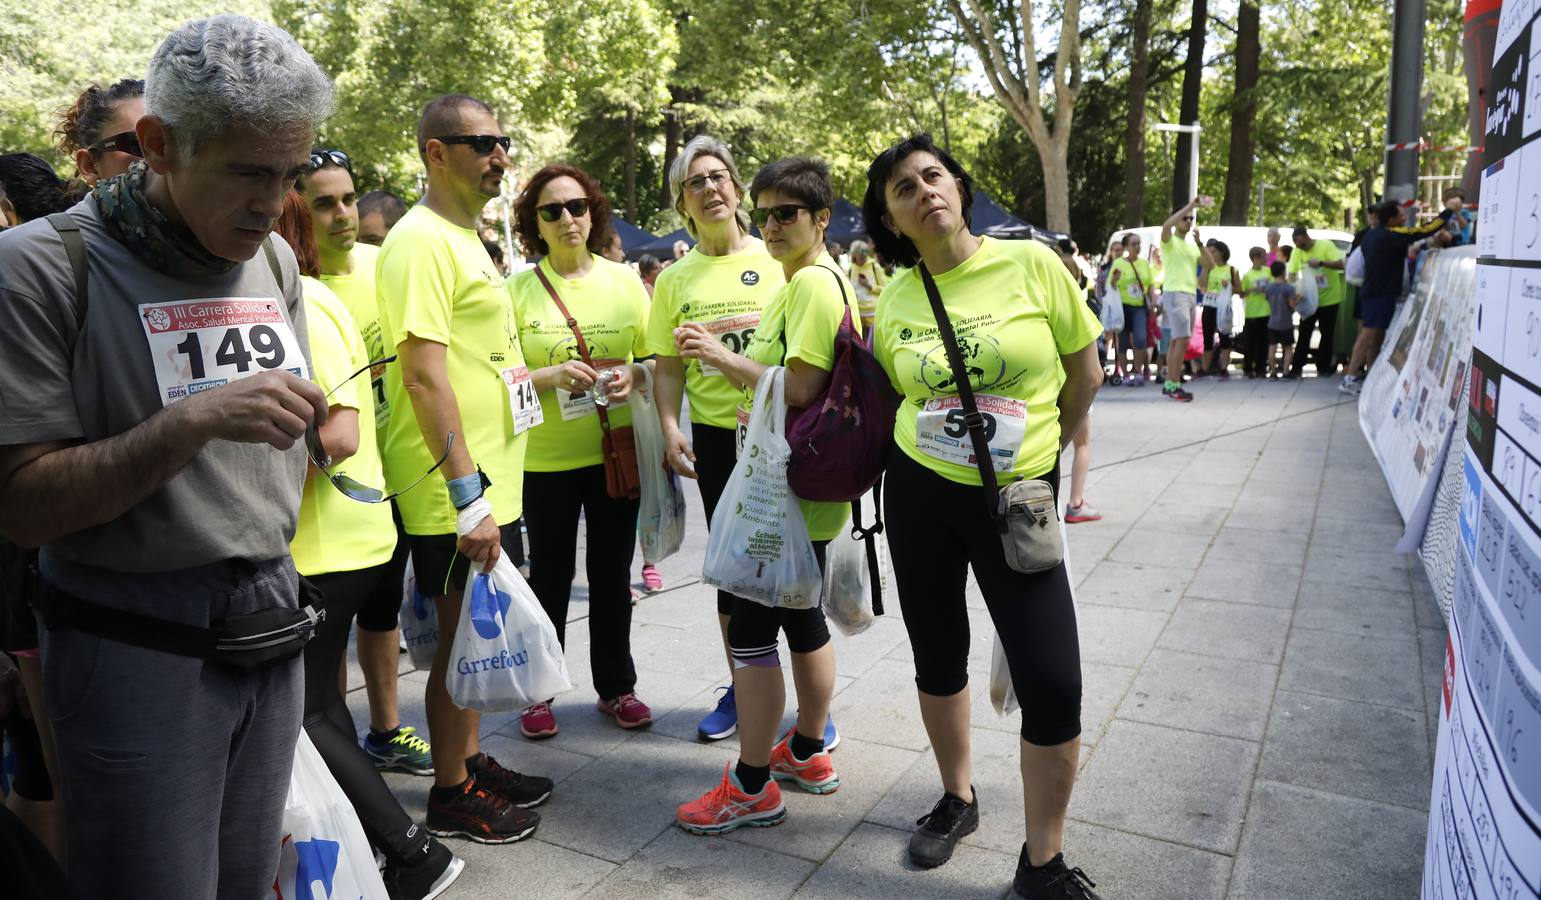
[[272, 255], [75, 249]]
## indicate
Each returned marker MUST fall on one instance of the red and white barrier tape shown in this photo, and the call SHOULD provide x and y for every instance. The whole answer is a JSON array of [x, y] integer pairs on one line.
[[1426, 146]]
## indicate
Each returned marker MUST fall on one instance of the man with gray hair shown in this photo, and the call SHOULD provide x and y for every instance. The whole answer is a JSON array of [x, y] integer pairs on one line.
[[154, 380]]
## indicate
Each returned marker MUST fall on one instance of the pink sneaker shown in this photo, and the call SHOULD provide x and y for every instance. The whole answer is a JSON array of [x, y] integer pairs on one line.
[[651, 580], [538, 722], [628, 711]]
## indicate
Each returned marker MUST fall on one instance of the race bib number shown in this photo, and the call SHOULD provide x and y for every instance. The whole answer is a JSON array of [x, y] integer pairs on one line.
[[522, 399], [580, 404], [735, 333], [1136, 294], [740, 432], [197, 345], [1321, 281], [940, 432]]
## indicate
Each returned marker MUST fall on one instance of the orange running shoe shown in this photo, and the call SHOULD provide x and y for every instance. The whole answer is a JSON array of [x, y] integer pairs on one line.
[[726, 807], [816, 774]]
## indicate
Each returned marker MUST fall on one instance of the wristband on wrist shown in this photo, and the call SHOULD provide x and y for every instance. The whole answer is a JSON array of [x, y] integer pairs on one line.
[[465, 490]]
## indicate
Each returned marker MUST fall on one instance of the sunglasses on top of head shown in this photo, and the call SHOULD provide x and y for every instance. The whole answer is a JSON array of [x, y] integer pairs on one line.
[[785, 214], [552, 212], [123, 142], [319, 157], [481, 144], [347, 486]]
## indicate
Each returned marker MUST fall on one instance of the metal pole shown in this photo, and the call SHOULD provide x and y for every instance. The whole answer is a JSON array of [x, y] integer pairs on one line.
[[1193, 170], [1404, 113]]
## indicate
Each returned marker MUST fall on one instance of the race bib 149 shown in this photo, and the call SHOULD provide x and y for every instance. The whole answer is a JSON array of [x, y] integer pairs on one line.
[[197, 345]]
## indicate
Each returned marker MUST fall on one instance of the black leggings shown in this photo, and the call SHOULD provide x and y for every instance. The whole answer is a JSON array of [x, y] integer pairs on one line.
[[755, 626], [1254, 343], [716, 453], [1214, 338], [937, 529], [330, 726], [552, 501]]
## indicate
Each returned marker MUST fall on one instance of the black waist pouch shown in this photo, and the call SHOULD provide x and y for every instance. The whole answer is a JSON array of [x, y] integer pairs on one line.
[[246, 642]]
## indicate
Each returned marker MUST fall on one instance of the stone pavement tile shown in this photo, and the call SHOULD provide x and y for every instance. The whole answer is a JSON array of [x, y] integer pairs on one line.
[[855, 656], [1345, 534], [881, 707], [1426, 609], [683, 606], [1354, 667], [1089, 543], [586, 730], [1258, 545], [1163, 783], [1202, 693], [1357, 568], [534, 757], [679, 866], [493, 871], [1302, 843], [1260, 584], [1220, 471], [873, 863], [1220, 495], [997, 772], [1103, 688], [816, 825], [1432, 645], [1250, 439], [1357, 749], [614, 806], [1354, 610], [1295, 502], [1134, 586], [694, 652], [1348, 498], [1272, 515], [1151, 545], [1130, 867], [1120, 637], [1234, 630]]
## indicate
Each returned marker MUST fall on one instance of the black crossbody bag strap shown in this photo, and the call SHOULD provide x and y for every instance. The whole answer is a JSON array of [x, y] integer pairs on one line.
[[972, 418]]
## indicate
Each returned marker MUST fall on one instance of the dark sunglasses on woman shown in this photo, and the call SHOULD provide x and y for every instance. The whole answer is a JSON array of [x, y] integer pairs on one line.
[[551, 212], [123, 142], [785, 214], [481, 144]]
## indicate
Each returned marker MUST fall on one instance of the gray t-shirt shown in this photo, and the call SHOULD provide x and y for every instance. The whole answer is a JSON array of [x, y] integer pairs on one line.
[[1280, 316], [58, 383]]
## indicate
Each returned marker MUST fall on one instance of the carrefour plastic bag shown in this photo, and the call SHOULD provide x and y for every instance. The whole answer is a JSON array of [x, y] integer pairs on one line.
[[661, 521], [323, 850], [419, 620], [759, 547], [506, 653]]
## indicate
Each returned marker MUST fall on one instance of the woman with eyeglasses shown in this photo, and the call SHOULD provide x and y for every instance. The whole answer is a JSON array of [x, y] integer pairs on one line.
[[97, 131], [343, 548], [797, 329], [563, 216], [1031, 354], [721, 285]]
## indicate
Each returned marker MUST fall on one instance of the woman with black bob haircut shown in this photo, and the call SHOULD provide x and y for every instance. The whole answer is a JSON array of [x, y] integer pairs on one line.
[[1028, 341]]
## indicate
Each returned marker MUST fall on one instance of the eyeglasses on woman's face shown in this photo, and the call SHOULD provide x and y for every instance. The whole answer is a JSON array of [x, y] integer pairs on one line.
[[718, 179]]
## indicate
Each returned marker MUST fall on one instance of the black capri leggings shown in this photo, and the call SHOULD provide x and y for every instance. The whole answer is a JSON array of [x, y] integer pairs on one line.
[[936, 530], [716, 453], [329, 724], [754, 626]]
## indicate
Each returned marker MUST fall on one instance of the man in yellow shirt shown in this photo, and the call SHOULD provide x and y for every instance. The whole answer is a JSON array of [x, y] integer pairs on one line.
[[1323, 261], [444, 312], [1179, 290]]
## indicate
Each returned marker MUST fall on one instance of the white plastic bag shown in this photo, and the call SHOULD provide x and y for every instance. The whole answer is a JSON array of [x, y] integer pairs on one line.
[[848, 582], [1112, 311], [1309, 294], [759, 547], [323, 850], [1225, 312], [419, 620], [661, 521], [506, 653], [1353, 268]]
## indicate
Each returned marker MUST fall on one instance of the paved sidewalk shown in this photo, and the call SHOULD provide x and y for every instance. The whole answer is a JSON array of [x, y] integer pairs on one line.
[[1261, 674]]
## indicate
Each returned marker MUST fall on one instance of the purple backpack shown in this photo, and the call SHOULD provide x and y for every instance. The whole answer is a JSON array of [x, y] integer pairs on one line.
[[840, 441]]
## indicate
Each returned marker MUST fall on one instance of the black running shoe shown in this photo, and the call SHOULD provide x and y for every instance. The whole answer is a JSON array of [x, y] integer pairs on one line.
[[471, 811], [523, 791], [941, 829], [1178, 394], [427, 875], [1051, 881]]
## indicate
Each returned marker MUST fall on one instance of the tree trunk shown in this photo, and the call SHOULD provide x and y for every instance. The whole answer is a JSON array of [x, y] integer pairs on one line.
[[672, 133], [1193, 82], [1134, 136], [1056, 187], [1238, 177], [631, 166]]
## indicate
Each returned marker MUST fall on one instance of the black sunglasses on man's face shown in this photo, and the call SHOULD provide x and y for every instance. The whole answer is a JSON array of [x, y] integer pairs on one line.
[[123, 142], [481, 144]]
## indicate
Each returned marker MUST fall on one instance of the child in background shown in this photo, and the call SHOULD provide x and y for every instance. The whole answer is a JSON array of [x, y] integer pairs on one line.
[[1254, 333], [1281, 318], [1218, 283]]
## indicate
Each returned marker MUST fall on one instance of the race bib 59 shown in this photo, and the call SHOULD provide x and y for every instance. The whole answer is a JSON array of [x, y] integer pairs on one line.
[[940, 430]]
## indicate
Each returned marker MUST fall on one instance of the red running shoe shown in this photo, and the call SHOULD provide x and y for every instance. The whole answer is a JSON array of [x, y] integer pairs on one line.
[[538, 722], [628, 711], [727, 807], [816, 774]]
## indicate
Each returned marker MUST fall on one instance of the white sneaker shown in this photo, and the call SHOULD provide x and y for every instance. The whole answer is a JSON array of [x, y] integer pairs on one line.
[[1350, 385]]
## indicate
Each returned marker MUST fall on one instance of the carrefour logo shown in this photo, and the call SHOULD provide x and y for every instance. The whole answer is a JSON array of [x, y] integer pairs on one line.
[[316, 861], [489, 607]]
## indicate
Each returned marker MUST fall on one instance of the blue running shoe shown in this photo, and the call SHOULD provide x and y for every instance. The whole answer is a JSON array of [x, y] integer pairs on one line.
[[721, 722], [831, 735]]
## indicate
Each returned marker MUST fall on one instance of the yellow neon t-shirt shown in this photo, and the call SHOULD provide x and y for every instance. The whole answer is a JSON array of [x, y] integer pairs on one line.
[[1015, 311], [725, 294], [1329, 282], [801, 322], [437, 283], [610, 305], [1180, 264], [867, 293], [357, 292], [335, 534], [1256, 302], [1131, 277]]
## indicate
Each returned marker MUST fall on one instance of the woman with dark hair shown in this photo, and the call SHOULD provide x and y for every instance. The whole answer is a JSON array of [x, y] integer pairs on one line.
[[572, 309], [1030, 342], [33, 189], [343, 549], [97, 130], [797, 330]]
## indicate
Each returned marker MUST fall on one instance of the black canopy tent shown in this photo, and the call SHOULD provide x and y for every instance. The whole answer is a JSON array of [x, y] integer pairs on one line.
[[989, 218], [661, 247], [632, 237]]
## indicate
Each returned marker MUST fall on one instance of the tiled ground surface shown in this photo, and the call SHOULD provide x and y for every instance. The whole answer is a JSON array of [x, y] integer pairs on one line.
[[1258, 720]]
